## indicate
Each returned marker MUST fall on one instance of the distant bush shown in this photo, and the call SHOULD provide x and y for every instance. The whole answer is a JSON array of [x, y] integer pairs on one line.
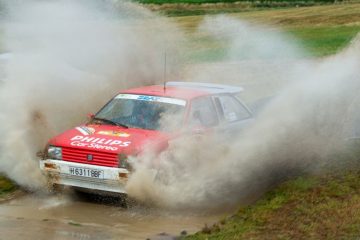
[[256, 3]]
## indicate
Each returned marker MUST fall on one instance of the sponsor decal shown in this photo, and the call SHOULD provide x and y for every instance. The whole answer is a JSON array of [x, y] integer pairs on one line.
[[152, 99], [148, 98], [85, 130], [114, 133], [98, 143]]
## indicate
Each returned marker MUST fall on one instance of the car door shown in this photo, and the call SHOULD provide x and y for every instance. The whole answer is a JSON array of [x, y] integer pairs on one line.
[[203, 115], [233, 114]]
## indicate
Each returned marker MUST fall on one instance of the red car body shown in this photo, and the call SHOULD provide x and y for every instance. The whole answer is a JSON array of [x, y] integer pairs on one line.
[[95, 155]]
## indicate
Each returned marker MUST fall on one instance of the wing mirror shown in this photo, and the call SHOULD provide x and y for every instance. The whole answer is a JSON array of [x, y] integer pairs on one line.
[[90, 116]]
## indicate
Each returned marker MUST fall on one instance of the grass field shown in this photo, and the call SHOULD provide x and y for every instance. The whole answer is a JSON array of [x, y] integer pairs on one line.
[[329, 15], [316, 41], [321, 30], [254, 3], [322, 41], [325, 205], [6, 186], [322, 207], [200, 7]]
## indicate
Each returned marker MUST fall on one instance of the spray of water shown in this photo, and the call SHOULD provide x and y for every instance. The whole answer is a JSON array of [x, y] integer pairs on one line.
[[67, 59], [69, 55], [304, 123]]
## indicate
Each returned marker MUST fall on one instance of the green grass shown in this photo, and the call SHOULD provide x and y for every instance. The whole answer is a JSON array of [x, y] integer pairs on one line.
[[316, 42], [313, 207], [199, 7], [322, 41], [75, 224], [320, 30], [193, 12], [269, 3], [183, 1], [6, 186], [322, 206]]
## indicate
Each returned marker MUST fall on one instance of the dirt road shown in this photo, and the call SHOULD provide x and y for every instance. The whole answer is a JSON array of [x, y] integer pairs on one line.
[[67, 217]]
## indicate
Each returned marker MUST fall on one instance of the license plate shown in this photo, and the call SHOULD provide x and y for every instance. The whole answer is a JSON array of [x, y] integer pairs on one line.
[[86, 172]]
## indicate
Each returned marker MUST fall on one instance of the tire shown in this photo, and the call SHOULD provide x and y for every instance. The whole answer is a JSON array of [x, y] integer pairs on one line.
[[120, 200]]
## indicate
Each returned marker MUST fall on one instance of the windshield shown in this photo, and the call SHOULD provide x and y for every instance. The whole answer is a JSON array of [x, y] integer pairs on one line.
[[147, 112]]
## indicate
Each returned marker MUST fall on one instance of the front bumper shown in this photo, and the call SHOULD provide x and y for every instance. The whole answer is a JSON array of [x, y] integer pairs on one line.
[[58, 172]]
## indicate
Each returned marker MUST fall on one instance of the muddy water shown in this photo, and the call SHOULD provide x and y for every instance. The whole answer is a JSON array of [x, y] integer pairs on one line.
[[66, 217]]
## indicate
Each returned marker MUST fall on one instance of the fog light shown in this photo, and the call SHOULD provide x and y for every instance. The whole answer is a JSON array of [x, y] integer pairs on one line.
[[50, 165], [123, 175]]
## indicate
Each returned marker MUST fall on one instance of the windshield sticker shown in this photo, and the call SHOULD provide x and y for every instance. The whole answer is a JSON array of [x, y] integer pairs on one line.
[[114, 133], [85, 130], [98, 143], [147, 98]]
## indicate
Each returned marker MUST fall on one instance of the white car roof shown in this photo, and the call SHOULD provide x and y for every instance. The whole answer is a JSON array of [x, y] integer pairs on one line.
[[208, 87]]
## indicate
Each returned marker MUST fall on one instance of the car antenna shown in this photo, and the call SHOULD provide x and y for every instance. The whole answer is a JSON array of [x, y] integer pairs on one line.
[[165, 72]]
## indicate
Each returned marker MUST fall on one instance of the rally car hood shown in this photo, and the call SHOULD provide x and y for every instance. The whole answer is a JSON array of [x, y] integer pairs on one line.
[[107, 138]]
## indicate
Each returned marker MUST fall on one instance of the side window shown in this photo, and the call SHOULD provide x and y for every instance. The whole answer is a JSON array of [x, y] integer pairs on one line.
[[203, 113], [231, 109]]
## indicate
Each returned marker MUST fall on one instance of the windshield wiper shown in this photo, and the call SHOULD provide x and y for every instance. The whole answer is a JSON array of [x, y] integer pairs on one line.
[[110, 122]]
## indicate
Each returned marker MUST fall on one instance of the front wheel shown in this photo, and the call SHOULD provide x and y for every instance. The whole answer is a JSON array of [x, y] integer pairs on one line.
[[116, 199]]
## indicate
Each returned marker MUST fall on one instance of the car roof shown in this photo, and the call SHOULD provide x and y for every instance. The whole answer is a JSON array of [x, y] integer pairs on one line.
[[184, 90]]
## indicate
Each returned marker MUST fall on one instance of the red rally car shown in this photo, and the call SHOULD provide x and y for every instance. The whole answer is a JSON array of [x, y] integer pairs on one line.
[[94, 156]]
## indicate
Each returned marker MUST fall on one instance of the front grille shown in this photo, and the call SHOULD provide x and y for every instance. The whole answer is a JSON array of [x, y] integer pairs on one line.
[[98, 158]]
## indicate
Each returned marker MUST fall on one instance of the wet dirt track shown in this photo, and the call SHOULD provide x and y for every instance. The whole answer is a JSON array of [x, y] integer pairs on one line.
[[63, 217]]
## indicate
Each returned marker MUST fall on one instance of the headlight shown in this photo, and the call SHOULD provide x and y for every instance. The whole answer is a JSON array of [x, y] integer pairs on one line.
[[123, 161], [54, 152]]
